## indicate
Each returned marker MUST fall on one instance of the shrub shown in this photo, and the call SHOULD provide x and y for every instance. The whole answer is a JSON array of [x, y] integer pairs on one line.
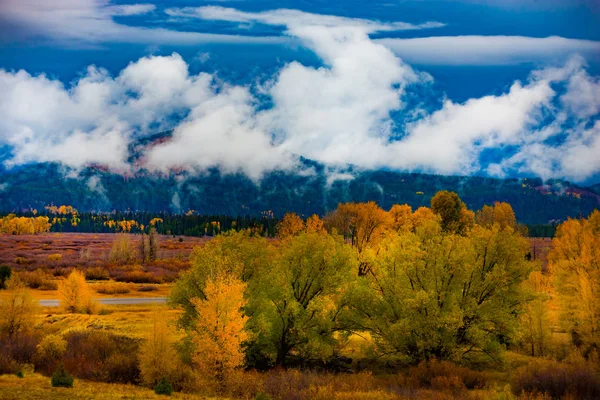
[[96, 274], [61, 378], [559, 380], [19, 374], [425, 374], [113, 288], [50, 352], [147, 288], [22, 261], [5, 273], [102, 356], [122, 252], [163, 387], [55, 257], [38, 279], [138, 277]]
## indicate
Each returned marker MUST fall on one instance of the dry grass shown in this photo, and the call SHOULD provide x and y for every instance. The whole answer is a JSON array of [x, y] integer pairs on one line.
[[56, 253], [128, 320], [36, 386]]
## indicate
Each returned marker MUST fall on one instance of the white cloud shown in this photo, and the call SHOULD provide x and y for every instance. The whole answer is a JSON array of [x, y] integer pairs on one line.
[[131, 9], [488, 50], [294, 18], [91, 21], [337, 114]]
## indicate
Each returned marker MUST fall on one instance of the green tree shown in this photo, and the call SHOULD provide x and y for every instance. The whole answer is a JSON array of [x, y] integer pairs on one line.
[[455, 216], [443, 295], [296, 306], [237, 253]]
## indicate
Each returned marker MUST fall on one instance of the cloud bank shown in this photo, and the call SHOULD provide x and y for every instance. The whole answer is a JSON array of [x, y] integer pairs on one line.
[[345, 112]]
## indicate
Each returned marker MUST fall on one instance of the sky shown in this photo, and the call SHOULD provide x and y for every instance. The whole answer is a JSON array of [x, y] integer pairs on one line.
[[500, 88]]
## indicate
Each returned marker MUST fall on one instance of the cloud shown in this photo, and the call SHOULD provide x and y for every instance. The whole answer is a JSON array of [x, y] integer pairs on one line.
[[351, 110], [488, 50], [131, 9], [91, 21], [94, 120], [294, 18]]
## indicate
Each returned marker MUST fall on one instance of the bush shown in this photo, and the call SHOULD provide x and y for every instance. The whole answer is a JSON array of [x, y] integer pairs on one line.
[[147, 288], [96, 274], [138, 277], [163, 387], [5, 273], [55, 257], [113, 288], [61, 378], [50, 352], [38, 279], [429, 374], [122, 252], [102, 356], [559, 380]]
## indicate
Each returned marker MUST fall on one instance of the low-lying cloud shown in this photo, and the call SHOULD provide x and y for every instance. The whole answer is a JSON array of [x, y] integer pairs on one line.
[[344, 112]]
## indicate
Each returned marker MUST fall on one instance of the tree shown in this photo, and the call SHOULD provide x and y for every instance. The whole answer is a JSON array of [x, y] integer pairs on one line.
[[535, 321], [401, 216], [364, 224], [574, 262], [157, 354], [18, 310], [455, 216], [290, 225], [122, 252], [500, 213], [152, 244], [296, 306], [438, 294], [220, 329], [5, 273], [75, 294], [237, 253]]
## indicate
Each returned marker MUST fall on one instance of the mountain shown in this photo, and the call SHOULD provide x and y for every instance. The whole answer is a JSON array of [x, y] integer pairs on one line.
[[96, 189]]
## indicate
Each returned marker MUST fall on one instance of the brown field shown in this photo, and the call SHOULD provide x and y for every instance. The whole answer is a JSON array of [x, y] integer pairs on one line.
[[73, 248], [57, 253]]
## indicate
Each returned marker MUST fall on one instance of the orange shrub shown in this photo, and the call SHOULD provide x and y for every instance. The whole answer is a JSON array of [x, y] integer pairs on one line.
[[38, 279], [96, 274], [113, 288]]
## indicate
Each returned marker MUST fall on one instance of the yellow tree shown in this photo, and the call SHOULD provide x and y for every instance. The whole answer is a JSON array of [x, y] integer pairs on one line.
[[401, 216], [535, 320], [365, 224], [219, 330], [17, 311], [575, 265], [75, 294], [157, 355], [314, 224], [291, 225]]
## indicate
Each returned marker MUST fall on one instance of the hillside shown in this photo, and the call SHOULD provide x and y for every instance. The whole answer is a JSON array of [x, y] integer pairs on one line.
[[95, 189]]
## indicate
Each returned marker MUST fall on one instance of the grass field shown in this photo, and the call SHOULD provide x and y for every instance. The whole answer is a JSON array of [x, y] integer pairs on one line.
[[36, 386]]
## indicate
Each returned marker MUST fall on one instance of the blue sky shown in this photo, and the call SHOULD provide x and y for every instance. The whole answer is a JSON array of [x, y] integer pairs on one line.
[[499, 87]]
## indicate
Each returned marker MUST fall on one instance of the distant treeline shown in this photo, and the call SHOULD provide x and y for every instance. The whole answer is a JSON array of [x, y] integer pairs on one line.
[[165, 223], [185, 224]]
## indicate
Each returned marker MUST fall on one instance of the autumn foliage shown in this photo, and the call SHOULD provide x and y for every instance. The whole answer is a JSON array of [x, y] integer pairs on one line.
[[219, 331]]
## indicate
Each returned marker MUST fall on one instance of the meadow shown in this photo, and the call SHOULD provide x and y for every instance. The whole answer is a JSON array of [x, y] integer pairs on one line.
[[436, 303]]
